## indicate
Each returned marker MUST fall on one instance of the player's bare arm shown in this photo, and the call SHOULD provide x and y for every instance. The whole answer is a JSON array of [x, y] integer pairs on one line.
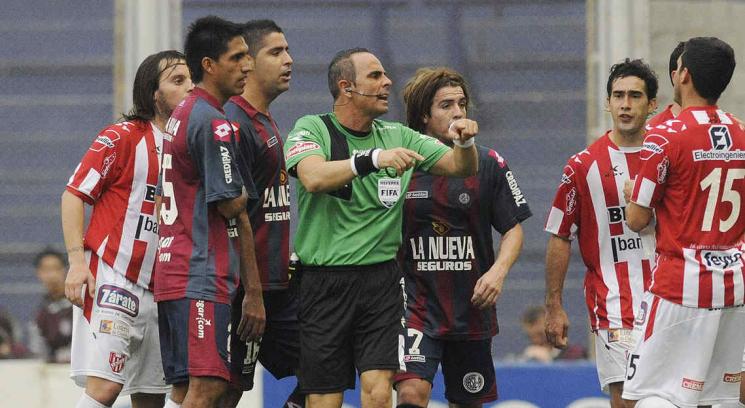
[[637, 217], [557, 263], [320, 176], [489, 286], [462, 161], [253, 315], [72, 210]]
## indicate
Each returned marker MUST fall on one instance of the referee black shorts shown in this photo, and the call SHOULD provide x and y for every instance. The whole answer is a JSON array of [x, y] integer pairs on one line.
[[350, 318]]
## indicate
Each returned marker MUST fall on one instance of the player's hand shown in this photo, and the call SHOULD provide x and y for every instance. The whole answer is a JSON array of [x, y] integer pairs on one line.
[[78, 275], [487, 289], [253, 316], [463, 129], [557, 326], [628, 189], [399, 159]]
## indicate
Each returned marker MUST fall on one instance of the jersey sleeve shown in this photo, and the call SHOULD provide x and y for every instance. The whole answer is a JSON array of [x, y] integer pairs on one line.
[[305, 139], [651, 181], [508, 204], [563, 218], [429, 147], [212, 149], [98, 167]]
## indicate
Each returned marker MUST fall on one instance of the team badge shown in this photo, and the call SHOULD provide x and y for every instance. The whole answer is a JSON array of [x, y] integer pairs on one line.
[[282, 177], [473, 382], [116, 361], [440, 228], [389, 190], [464, 198]]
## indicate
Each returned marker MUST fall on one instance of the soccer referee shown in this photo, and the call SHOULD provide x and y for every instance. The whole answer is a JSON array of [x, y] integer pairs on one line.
[[353, 169]]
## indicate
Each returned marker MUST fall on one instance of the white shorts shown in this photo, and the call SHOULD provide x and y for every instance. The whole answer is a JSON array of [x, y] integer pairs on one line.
[[686, 355], [119, 341], [612, 347]]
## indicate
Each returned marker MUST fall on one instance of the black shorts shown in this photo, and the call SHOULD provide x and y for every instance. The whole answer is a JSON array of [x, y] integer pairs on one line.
[[350, 317], [279, 348], [467, 366], [193, 339]]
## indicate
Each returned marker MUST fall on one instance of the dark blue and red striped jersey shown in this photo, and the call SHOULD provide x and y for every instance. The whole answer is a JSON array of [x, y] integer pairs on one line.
[[448, 245], [198, 250], [261, 158]]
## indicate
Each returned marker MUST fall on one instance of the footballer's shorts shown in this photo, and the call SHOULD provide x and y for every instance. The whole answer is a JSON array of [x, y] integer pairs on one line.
[[279, 348], [612, 347], [467, 366], [194, 339], [688, 356], [350, 318], [115, 335]]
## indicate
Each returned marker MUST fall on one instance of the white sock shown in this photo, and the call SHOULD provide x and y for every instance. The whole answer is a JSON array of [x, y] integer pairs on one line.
[[86, 401], [654, 402], [171, 404]]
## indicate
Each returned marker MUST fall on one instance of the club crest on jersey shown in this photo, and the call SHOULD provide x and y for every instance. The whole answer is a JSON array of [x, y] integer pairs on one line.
[[389, 190], [473, 382], [222, 129], [464, 198], [440, 228], [283, 177], [653, 144], [116, 361], [112, 297]]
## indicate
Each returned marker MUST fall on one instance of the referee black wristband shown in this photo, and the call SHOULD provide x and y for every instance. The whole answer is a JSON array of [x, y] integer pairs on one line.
[[363, 162]]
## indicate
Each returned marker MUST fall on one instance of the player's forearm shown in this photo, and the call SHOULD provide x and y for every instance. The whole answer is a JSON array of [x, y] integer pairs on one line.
[[233, 207], [637, 217], [509, 251], [72, 212], [320, 176], [557, 263], [249, 271]]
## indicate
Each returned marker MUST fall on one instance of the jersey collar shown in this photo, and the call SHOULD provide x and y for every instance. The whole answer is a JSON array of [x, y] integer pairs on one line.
[[201, 93]]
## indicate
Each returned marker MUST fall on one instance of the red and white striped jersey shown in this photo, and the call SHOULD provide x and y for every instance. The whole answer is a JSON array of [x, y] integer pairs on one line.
[[118, 176], [693, 175], [660, 118], [589, 204]]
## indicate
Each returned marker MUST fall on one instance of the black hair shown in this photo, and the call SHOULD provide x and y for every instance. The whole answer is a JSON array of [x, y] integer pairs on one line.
[[254, 32], [207, 37], [342, 67], [635, 68], [711, 63], [673, 64], [147, 82], [49, 251]]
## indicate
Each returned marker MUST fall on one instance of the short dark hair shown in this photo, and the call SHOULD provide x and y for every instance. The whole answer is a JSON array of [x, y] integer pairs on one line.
[[207, 37], [254, 32], [635, 68], [147, 81], [673, 65], [49, 251], [420, 91], [711, 63], [342, 67]]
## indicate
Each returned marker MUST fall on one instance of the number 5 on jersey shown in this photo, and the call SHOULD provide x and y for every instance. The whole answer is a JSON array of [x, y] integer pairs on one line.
[[169, 211]]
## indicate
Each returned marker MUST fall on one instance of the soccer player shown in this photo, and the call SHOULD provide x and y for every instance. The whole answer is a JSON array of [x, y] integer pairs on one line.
[[353, 170], [452, 279], [589, 204], [202, 218], [115, 344], [690, 328], [672, 110], [261, 158]]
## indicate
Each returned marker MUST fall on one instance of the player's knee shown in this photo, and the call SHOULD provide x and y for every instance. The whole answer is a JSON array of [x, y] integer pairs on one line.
[[408, 392], [654, 402], [103, 391], [206, 389], [378, 394]]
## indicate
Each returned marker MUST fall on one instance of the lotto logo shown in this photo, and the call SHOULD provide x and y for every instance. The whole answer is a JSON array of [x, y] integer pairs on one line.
[[222, 129]]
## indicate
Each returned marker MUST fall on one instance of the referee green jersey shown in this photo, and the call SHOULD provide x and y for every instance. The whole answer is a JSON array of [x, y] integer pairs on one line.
[[359, 224]]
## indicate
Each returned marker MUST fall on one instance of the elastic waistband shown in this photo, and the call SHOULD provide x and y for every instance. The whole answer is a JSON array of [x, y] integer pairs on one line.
[[350, 268]]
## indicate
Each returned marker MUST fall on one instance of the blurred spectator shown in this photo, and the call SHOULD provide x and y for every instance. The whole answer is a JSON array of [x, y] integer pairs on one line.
[[51, 333], [540, 350], [10, 347]]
